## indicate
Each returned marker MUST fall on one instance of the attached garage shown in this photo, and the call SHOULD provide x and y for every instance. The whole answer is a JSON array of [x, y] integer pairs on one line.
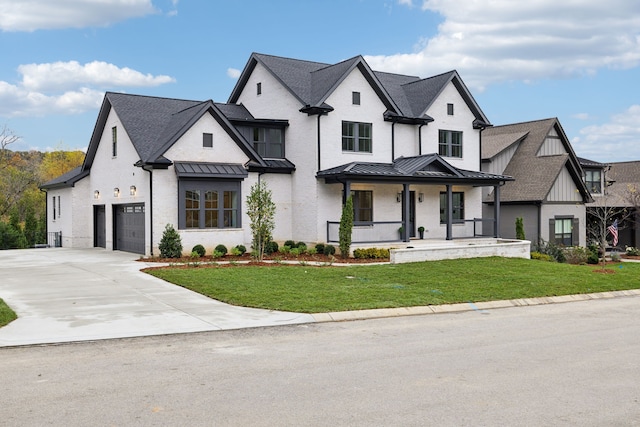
[[128, 228]]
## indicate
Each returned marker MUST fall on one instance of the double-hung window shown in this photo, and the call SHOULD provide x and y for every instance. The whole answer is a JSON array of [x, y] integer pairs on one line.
[[362, 205], [450, 143], [457, 201], [563, 231], [356, 137], [209, 204]]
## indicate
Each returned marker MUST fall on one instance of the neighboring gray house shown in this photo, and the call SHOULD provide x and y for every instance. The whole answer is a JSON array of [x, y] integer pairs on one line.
[[548, 191], [615, 185]]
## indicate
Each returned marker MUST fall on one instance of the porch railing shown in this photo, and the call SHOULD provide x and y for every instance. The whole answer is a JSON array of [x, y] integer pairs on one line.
[[54, 239], [388, 231]]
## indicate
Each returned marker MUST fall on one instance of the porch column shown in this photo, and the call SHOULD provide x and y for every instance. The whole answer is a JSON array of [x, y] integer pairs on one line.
[[449, 212], [496, 210], [346, 191], [405, 212]]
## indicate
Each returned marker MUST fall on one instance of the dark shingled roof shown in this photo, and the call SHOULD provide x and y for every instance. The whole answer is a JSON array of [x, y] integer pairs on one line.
[[626, 179], [154, 124], [65, 180], [534, 175], [312, 82], [427, 169]]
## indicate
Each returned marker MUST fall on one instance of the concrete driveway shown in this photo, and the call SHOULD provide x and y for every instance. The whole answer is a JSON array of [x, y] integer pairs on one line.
[[63, 295]]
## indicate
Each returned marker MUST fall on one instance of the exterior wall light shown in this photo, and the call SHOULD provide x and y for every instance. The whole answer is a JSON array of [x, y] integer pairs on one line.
[[116, 192], [399, 197], [132, 190], [421, 197], [96, 194]]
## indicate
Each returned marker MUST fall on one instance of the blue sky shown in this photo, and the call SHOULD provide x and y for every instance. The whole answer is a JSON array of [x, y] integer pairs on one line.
[[578, 60]]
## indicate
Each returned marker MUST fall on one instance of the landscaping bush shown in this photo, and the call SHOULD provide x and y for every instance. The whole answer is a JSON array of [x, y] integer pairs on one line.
[[221, 249], [295, 251], [371, 253], [320, 248], [631, 251], [302, 246], [312, 251], [542, 257], [171, 244], [199, 249], [290, 243], [592, 256], [575, 255], [329, 250], [239, 250], [550, 249], [271, 247], [615, 257]]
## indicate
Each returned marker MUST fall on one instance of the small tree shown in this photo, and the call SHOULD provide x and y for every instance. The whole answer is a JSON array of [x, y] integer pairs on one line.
[[261, 211], [171, 243], [346, 227], [520, 229]]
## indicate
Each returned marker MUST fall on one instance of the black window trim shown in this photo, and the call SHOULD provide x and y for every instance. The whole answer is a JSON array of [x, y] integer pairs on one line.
[[356, 137], [203, 185]]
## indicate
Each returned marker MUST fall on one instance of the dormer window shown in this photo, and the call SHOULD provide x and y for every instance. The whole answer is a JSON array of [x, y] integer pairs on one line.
[[268, 142], [355, 98], [592, 179], [450, 109]]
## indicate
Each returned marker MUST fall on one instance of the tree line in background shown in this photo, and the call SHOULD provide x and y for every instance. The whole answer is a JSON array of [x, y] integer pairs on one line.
[[22, 203]]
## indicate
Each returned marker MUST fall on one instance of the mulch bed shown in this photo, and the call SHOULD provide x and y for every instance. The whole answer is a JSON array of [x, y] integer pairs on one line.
[[231, 260]]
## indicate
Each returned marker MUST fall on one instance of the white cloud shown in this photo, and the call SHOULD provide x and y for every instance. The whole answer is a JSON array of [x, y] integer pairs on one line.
[[234, 73], [32, 15], [582, 116], [617, 140], [492, 41], [67, 87], [63, 75]]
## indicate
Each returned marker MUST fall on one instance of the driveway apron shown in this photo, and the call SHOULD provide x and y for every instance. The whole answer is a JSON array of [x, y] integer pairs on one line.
[[65, 295]]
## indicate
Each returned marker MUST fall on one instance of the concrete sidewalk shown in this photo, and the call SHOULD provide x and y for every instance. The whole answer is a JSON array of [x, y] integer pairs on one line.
[[64, 295]]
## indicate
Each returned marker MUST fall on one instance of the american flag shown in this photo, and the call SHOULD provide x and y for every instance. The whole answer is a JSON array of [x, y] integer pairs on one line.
[[613, 229]]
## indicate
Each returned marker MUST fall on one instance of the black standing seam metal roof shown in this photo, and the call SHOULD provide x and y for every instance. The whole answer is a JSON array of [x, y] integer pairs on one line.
[[68, 179], [426, 168], [210, 170]]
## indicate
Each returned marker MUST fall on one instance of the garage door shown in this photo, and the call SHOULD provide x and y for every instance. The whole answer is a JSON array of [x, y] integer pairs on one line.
[[129, 228]]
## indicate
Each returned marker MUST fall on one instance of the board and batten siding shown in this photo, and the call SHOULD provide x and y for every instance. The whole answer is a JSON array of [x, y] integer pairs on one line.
[[552, 145], [564, 189], [499, 162]]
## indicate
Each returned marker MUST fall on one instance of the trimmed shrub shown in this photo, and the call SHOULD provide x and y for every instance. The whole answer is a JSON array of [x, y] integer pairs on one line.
[[302, 246], [271, 247], [290, 243], [171, 244], [550, 249], [329, 250], [285, 249], [199, 249], [295, 251], [222, 249], [312, 251], [239, 249], [371, 253], [320, 248]]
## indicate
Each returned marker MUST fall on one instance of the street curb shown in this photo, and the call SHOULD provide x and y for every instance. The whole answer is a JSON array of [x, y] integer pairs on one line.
[[343, 316]]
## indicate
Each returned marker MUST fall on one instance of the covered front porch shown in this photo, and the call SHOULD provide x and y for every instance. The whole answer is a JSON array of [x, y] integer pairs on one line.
[[421, 196]]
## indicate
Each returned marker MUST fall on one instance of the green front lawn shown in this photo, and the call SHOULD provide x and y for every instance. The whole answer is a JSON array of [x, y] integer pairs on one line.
[[6, 314], [311, 289]]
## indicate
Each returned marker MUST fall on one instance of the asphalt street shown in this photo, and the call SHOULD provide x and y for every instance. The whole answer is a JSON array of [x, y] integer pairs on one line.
[[559, 364]]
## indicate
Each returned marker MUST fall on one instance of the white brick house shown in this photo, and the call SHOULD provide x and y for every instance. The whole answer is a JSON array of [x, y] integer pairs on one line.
[[407, 150]]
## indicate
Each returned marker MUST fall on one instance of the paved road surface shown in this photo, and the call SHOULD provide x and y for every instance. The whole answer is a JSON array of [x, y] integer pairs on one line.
[[563, 364]]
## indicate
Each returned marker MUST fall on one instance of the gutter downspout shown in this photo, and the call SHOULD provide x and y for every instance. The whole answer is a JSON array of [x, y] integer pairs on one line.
[[319, 115], [150, 207], [393, 141]]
